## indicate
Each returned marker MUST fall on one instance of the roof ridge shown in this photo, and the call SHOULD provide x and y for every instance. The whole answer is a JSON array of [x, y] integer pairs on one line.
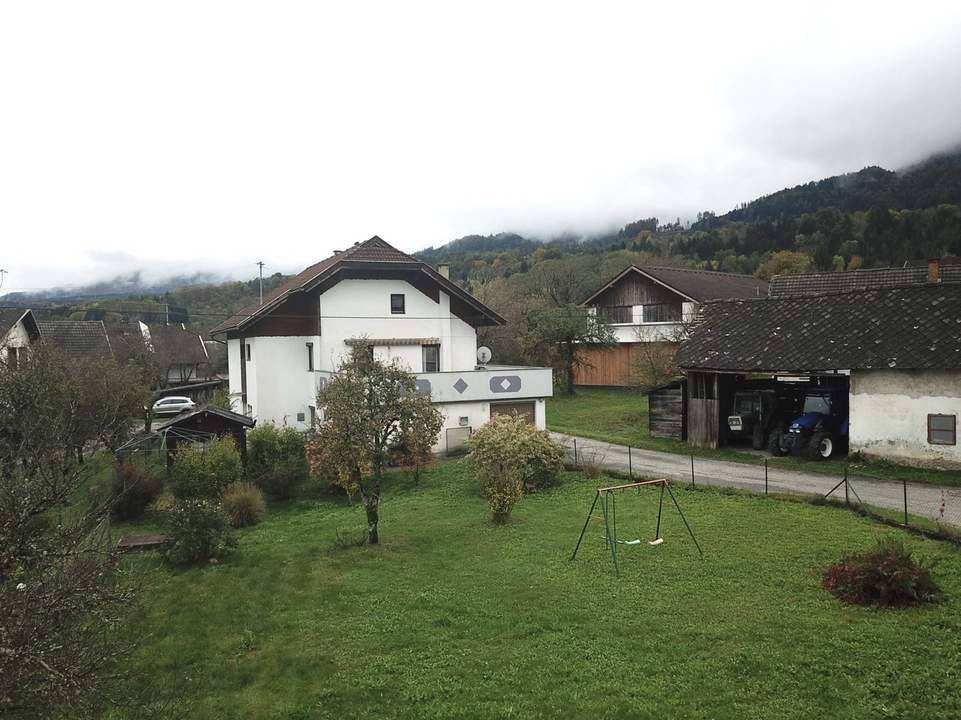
[[834, 293], [703, 271]]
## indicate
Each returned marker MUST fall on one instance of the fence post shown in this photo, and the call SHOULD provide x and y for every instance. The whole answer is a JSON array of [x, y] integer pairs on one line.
[[630, 466], [765, 476], [575, 452], [847, 499], [904, 483], [692, 470]]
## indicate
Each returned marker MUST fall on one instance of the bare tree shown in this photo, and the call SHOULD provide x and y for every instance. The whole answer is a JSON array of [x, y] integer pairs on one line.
[[655, 358], [61, 599]]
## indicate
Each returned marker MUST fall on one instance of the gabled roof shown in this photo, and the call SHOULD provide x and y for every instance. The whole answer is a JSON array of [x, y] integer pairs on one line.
[[9, 318], [908, 328], [370, 253], [228, 415], [869, 279], [696, 285], [75, 337]]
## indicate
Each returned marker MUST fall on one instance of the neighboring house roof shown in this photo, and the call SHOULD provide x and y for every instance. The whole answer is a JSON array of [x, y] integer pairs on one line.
[[370, 253], [870, 279], [904, 328], [9, 318], [178, 344], [75, 337], [697, 285], [202, 409]]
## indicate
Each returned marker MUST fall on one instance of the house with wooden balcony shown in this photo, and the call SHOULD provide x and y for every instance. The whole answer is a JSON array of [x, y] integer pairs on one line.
[[649, 309], [282, 352]]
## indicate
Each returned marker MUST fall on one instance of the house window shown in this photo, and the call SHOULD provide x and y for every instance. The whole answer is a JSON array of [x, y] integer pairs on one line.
[[662, 312], [313, 415], [370, 353], [942, 429], [616, 314], [310, 356], [13, 358], [397, 304], [431, 358], [247, 352]]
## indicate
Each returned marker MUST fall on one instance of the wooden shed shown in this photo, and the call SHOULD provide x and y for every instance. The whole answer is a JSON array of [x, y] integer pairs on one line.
[[202, 424], [667, 410]]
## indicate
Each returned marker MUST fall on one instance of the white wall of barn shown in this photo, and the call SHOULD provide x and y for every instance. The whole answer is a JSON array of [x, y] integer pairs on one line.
[[889, 414]]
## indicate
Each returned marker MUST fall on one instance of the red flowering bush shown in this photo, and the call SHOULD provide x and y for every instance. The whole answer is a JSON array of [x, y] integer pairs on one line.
[[888, 575]]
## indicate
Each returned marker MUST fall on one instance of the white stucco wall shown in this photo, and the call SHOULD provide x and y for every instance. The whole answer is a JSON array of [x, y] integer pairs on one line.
[[280, 385], [357, 308], [889, 414]]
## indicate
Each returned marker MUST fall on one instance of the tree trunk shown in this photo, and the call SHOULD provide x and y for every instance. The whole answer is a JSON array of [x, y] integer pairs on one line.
[[371, 497], [569, 368], [371, 503]]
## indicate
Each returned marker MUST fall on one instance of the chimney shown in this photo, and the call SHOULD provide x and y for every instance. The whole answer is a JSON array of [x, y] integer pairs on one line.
[[444, 269], [338, 252], [934, 270]]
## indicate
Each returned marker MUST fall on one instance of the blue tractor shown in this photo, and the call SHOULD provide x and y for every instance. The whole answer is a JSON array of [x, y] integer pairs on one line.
[[822, 429]]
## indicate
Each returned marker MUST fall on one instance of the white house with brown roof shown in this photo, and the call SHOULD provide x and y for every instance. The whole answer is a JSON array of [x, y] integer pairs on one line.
[[282, 352], [652, 305]]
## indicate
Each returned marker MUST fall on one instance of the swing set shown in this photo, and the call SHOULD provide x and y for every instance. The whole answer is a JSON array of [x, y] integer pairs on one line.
[[608, 502]]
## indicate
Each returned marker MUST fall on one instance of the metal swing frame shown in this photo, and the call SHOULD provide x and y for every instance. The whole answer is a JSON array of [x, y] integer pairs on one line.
[[608, 502]]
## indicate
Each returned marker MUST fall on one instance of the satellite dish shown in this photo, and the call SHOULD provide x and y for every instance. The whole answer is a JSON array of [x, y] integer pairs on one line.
[[483, 355]]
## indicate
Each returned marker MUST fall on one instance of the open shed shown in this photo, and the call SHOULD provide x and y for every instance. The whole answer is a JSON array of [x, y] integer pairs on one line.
[[893, 353]]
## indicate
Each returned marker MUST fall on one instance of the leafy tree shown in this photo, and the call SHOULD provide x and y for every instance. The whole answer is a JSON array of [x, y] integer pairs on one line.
[[416, 440], [785, 262], [559, 333], [205, 473], [61, 596], [275, 459], [511, 456], [368, 405]]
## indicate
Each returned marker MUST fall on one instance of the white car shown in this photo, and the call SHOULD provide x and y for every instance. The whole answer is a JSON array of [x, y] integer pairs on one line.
[[173, 405]]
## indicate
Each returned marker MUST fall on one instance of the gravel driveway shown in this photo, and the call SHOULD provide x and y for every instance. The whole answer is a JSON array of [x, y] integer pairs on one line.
[[923, 500]]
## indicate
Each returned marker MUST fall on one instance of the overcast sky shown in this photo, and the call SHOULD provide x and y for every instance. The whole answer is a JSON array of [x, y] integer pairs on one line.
[[180, 136]]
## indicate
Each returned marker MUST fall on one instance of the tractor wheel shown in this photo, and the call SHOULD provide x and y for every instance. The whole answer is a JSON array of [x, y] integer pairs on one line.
[[757, 437], [821, 446], [774, 443]]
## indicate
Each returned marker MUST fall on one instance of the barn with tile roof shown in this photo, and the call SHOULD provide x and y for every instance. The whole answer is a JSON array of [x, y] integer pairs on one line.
[[896, 351]]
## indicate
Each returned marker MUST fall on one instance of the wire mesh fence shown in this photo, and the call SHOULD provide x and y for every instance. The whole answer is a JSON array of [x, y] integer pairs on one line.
[[919, 505]]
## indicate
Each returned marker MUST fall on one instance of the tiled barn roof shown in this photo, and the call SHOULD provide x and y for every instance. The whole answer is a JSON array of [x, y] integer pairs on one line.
[[906, 328]]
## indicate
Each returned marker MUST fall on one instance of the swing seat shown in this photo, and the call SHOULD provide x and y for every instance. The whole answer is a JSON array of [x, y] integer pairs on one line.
[[655, 541]]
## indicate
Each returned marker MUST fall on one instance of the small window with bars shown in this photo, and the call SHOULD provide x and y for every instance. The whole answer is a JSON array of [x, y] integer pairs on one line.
[[942, 429], [397, 304]]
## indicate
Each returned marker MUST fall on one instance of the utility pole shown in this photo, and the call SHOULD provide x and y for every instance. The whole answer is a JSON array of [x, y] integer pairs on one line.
[[260, 265], [2, 273]]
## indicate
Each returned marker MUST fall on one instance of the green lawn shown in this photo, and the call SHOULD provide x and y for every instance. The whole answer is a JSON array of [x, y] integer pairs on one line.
[[620, 416], [452, 617]]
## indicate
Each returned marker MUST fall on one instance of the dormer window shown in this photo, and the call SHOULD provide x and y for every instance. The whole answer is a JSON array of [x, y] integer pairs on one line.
[[397, 304]]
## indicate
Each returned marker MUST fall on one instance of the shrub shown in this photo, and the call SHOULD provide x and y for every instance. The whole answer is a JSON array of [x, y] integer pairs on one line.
[[323, 467], [200, 530], [205, 473], [244, 504], [134, 488], [509, 455], [888, 575], [276, 461]]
